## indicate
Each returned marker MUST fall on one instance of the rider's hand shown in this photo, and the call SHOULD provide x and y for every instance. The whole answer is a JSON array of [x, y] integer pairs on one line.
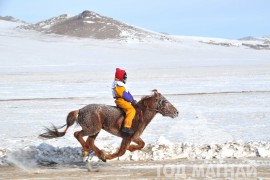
[[134, 103]]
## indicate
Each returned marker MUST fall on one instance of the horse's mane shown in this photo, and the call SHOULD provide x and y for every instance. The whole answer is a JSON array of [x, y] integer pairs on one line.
[[145, 100], [146, 97]]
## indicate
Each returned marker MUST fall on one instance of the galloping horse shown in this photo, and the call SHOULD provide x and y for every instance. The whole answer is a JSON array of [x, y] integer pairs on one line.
[[94, 117]]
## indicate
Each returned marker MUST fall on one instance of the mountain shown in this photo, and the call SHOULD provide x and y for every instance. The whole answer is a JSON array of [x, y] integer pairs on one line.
[[252, 38], [92, 25], [45, 25], [10, 18], [258, 43]]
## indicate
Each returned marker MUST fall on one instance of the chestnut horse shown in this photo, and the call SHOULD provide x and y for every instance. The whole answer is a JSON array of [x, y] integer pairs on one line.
[[94, 117]]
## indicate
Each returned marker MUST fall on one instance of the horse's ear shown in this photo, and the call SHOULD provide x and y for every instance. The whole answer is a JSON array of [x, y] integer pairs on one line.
[[155, 91]]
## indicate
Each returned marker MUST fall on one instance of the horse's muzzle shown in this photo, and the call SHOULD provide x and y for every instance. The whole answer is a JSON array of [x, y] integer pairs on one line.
[[175, 114]]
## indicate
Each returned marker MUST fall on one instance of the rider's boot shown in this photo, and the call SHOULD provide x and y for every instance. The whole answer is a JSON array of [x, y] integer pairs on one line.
[[127, 130]]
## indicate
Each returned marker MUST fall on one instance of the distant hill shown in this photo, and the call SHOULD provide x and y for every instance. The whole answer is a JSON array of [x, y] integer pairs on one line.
[[252, 38], [92, 25], [260, 42], [10, 18]]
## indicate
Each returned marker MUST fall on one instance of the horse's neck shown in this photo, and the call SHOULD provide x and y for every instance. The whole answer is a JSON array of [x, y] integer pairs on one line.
[[148, 116], [148, 113]]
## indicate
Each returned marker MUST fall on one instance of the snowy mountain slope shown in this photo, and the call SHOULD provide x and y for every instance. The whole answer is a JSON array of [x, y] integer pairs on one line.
[[90, 24], [250, 42], [44, 25], [258, 43]]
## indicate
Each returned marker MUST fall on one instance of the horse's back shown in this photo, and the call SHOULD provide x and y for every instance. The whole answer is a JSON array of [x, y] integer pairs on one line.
[[102, 109], [93, 117]]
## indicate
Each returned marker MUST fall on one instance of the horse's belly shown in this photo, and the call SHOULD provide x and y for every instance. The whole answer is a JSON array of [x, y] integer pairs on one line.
[[113, 124]]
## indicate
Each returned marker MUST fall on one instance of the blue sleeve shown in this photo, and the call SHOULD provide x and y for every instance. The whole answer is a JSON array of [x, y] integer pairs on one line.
[[127, 96]]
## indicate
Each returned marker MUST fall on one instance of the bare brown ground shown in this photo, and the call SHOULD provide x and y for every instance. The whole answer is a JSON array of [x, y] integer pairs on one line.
[[175, 169]]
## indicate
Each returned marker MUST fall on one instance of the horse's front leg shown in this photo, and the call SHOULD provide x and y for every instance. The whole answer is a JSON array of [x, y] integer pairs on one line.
[[124, 146], [140, 144]]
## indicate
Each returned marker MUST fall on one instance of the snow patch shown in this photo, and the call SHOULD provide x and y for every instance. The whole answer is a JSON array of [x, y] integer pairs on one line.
[[163, 149], [89, 22]]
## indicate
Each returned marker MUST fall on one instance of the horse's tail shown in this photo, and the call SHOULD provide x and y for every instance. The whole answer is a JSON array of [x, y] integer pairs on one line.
[[53, 131]]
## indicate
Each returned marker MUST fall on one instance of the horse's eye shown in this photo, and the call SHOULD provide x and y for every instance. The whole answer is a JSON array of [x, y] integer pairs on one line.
[[165, 101]]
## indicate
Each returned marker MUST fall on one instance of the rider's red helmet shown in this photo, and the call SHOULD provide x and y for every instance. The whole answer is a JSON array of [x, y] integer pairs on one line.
[[120, 74]]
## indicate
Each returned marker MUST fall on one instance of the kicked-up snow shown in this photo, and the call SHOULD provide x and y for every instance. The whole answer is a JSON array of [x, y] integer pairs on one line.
[[222, 93], [162, 149]]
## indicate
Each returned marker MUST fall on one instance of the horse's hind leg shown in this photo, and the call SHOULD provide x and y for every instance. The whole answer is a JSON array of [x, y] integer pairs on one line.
[[140, 144], [79, 136], [124, 146], [91, 142]]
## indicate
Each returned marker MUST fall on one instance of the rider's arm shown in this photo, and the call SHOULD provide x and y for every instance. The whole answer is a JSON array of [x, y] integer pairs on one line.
[[121, 92]]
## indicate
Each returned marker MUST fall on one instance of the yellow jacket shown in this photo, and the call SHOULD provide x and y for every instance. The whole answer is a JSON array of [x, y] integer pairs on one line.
[[119, 90]]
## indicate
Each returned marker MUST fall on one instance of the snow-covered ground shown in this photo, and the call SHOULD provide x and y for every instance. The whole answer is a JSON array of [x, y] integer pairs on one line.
[[222, 93]]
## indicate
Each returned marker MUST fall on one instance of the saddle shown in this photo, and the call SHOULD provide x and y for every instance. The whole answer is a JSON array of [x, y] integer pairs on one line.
[[122, 111]]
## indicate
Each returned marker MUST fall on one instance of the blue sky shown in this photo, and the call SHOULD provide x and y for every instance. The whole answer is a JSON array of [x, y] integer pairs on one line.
[[212, 18]]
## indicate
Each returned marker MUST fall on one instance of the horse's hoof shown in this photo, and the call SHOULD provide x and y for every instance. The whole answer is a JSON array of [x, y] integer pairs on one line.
[[85, 155], [85, 158], [103, 158]]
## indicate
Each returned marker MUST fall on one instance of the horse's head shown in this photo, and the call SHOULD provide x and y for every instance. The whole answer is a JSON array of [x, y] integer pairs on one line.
[[157, 102], [164, 107]]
